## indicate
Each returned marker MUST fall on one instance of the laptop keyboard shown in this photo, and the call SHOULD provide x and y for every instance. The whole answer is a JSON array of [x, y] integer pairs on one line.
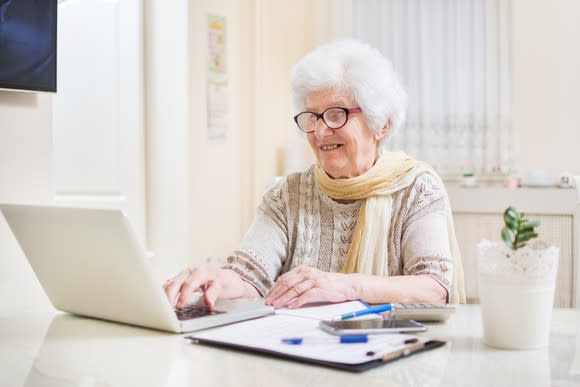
[[194, 311]]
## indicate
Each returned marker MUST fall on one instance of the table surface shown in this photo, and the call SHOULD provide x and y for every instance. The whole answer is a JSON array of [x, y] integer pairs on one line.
[[57, 349]]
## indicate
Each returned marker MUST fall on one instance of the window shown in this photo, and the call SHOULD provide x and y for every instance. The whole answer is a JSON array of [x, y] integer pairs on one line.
[[454, 56]]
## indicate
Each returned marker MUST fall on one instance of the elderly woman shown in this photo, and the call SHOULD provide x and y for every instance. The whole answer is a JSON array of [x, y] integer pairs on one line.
[[362, 223]]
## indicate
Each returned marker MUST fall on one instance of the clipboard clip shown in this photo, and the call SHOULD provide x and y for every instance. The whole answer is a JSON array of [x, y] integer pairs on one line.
[[413, 348]]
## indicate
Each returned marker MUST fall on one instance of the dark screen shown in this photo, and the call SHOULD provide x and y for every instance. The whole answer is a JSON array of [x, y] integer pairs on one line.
[[28, 44]]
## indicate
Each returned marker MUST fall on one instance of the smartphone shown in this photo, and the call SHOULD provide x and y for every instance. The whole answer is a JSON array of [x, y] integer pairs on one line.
[[369, 327]]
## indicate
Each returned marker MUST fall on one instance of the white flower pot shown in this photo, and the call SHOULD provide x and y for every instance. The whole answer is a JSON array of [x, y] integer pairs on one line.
[[516, 290], [469, 181]]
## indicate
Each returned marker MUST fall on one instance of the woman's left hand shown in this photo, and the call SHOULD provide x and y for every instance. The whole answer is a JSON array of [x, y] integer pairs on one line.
[[304, 285]]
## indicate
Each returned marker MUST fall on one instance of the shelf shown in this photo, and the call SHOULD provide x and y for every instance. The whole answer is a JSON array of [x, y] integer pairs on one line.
[[550, 200]]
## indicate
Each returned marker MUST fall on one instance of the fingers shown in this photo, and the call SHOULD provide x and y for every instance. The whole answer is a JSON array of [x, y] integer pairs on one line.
[[305, 285], [173, 286], [311, 295], [180, 288], [195, 281], [282, 284], [291, 285], [211, 293], [293, 292]]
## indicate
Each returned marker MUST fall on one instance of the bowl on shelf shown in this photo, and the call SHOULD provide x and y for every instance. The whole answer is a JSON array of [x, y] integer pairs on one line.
[[468, 180], [537, 178]]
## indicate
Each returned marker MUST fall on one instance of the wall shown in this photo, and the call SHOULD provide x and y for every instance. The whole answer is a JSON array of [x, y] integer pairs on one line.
[[197, 189], [73, 147], [25, 137], [547, 84], [286, 31], [202, 193], [167, 131], [25, 176], [220, 175]]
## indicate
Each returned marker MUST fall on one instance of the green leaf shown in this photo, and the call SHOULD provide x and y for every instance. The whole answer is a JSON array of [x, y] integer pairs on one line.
[[533, 223], [511, 222], [510, 213], [510, 218], [527, 225], [518, 229], [526, 236], [507, 236]]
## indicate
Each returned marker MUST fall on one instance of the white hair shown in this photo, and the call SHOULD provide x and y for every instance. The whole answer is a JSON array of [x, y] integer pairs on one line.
[[361, 71]]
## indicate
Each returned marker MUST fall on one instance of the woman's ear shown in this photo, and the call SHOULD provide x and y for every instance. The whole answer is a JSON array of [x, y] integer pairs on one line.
[[383, 132]]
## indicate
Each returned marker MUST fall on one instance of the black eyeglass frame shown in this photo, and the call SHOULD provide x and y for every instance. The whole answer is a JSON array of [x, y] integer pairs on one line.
[[318, 116]]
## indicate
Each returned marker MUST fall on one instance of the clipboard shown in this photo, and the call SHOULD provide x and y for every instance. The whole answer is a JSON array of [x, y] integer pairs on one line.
[[411, 349], [265, 336]]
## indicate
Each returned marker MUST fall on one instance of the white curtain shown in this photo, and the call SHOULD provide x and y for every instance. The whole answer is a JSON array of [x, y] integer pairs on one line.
[[454, 57]]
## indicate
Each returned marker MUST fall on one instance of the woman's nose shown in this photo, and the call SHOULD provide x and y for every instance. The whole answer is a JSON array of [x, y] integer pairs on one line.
[[321, 129]]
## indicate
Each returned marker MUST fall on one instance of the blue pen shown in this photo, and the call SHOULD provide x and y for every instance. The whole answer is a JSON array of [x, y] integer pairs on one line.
[[372, 309], [326, 340]]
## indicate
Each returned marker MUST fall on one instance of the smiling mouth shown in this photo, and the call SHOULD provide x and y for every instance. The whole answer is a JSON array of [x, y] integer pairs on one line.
[[330, 147]]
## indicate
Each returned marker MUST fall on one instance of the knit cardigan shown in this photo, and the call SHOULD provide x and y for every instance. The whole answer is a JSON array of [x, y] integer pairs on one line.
[[297, 224]]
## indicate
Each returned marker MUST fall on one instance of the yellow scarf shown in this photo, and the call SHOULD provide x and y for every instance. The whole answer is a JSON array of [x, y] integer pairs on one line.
[[392, 172]]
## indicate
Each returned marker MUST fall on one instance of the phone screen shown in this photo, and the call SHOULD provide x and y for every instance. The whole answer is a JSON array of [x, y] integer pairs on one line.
[[358, 327]]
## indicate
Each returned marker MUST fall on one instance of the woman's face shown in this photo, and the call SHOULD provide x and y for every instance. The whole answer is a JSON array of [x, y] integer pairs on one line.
[[346, 152]]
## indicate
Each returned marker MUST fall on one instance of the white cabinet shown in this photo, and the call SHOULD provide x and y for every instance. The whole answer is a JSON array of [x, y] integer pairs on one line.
[[478, 215]]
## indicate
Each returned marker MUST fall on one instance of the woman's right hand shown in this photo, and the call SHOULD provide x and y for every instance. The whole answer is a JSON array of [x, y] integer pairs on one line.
[[214, 282]]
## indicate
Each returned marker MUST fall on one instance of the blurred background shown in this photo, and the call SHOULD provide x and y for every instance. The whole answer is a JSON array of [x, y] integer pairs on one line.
[[180, 114]]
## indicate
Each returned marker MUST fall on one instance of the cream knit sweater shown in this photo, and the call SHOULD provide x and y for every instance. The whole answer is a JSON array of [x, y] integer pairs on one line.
[[297, 224]]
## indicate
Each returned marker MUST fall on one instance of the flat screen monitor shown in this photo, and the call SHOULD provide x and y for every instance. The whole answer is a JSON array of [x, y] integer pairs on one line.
[[28, 44]]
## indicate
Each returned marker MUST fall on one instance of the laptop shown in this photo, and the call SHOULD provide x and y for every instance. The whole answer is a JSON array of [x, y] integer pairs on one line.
[[90, 263]]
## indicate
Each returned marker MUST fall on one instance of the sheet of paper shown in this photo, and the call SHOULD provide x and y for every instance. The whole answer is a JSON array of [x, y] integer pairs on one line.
[[268, 332], [325, 312]]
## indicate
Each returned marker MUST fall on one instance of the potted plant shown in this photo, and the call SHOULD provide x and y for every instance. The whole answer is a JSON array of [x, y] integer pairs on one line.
[[517, 279], [469, 180]]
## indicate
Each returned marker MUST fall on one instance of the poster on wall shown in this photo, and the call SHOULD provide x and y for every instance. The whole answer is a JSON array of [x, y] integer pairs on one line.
[[217, 80]]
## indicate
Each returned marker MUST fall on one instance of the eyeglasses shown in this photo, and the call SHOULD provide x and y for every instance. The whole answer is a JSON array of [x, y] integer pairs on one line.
[[334, 118]]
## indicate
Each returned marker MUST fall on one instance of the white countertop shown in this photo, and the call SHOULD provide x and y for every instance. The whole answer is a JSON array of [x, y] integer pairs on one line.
[[48, 349]]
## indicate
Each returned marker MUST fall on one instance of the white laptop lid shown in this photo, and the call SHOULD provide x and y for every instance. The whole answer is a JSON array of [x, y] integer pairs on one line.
[[89, 262]]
